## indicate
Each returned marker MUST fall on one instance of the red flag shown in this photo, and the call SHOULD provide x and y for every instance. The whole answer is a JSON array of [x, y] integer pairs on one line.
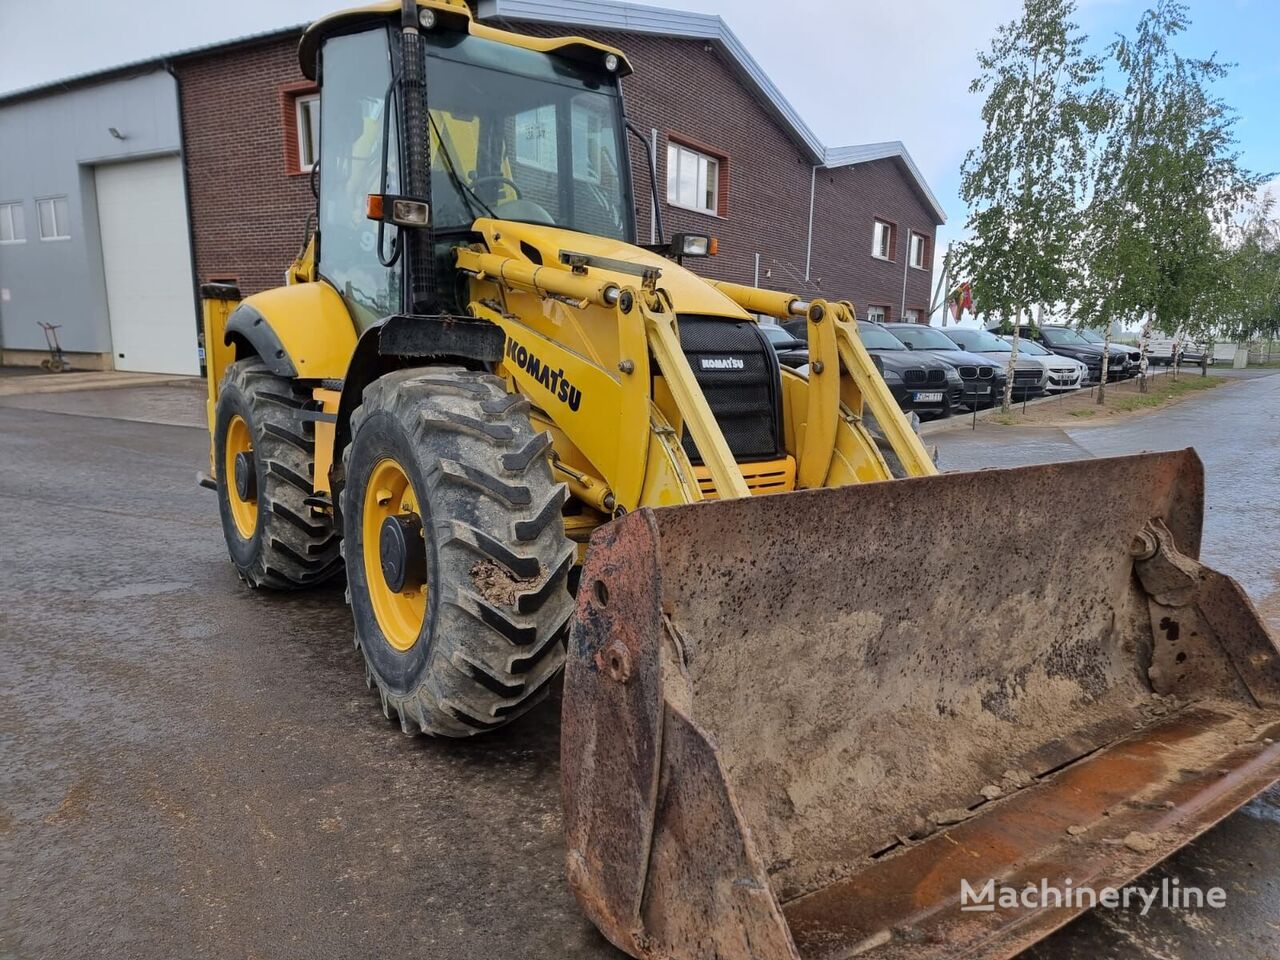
[[961, 300]]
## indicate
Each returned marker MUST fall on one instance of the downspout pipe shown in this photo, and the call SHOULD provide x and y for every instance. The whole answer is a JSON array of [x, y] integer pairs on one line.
[[186, 199], [906, 266], [808, 256]]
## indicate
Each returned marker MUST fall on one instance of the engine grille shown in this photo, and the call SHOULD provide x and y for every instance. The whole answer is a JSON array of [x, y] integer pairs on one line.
[[986, 373], [737, 369], [967, 373], [1026, 376]]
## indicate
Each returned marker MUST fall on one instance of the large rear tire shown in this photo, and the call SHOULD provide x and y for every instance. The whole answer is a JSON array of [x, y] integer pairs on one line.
[[457, 562], [264, 449]]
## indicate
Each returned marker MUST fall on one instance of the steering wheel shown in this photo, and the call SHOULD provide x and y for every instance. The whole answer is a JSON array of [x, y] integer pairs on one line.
[[499, 179]]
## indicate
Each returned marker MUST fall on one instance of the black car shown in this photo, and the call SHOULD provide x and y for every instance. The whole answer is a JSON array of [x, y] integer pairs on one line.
[[1125, 359], [983, 377], [791, 352], [917, 381], [1065, 342]]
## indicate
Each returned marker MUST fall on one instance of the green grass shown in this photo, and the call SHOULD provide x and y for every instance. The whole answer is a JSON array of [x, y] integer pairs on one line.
[[1267, 364], [1163, 389], [1006, 419], [1083, 413]]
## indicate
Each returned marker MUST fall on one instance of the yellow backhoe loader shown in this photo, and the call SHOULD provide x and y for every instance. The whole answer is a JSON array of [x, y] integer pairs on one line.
[[799, 707]]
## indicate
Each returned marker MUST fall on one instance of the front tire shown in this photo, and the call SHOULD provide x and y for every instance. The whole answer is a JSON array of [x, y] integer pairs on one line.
[[264, 450], [456, 556]]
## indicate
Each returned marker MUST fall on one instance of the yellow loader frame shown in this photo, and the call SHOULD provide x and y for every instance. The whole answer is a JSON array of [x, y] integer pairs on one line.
[[622, 451]]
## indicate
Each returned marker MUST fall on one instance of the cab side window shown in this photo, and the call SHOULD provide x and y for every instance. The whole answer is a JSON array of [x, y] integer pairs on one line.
[[353, 112]]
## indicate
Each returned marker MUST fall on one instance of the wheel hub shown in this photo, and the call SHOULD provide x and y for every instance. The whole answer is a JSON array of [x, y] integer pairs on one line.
[[395, 555], [240, 477], [246, 477], [404, 562]]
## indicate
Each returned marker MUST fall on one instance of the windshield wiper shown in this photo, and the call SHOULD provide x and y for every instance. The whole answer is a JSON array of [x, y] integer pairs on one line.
[[464, 189]]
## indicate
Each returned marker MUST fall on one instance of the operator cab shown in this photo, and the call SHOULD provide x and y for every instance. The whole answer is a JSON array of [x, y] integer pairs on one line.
[[520, 128]]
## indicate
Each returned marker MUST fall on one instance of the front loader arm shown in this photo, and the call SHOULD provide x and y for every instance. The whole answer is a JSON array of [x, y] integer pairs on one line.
[[646, 324]]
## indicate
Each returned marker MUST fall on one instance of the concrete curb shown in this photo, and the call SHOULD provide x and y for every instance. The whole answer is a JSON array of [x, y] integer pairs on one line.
[[89, 380], [957, 421]]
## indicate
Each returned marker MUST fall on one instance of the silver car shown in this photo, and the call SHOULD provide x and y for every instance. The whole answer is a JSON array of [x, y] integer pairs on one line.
[[1064, 372], [1030, 376]]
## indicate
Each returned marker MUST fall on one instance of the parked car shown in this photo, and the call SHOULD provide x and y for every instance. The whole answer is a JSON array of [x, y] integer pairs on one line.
[[1029, 376], [1164, 350], [1064, 372], [1129, 358], [918, 382], [983, 377], [791, 351]]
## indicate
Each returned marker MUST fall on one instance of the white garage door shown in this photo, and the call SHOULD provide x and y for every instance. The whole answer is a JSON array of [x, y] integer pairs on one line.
[[142, 216]]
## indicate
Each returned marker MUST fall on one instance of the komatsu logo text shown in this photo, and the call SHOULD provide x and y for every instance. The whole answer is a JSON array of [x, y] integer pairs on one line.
[[722, 363], [554, 380]]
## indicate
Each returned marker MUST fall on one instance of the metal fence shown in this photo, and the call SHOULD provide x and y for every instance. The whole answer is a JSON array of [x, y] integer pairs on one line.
[[1264, 351]]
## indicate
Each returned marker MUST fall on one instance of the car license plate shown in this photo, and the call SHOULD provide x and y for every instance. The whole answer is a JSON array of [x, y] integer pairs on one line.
[[984, 388], [928, 397]]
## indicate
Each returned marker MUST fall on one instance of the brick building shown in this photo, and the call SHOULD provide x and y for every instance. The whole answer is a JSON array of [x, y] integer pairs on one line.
[[245, 117], [734, 160]]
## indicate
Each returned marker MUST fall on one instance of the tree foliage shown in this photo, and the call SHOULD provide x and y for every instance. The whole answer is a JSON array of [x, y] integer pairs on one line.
[[1246, 300], [1166, 183], [1024, 182]]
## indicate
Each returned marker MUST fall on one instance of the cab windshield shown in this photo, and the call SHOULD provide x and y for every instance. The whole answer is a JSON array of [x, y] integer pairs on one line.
[[519, 135], [1090, 336]]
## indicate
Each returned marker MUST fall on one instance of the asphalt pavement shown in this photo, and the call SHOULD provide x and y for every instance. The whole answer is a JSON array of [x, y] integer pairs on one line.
[[190, 769]]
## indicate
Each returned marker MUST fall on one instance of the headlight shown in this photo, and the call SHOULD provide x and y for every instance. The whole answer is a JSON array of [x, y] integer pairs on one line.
[[953, 378], [890, 376]]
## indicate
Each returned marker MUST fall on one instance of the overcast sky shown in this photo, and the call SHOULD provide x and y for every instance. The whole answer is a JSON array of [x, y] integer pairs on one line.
[[858, 71]]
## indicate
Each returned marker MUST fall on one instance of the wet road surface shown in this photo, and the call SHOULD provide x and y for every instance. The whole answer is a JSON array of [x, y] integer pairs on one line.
[[191, 769]]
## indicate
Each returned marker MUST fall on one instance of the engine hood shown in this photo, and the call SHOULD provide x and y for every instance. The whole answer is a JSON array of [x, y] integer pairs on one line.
[[1001, 359], [543, 246], [957, 358], [1080, 351], [900, 361]]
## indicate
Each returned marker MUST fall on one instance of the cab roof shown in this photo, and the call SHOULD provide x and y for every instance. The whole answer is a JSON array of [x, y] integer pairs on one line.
[[450, 15]]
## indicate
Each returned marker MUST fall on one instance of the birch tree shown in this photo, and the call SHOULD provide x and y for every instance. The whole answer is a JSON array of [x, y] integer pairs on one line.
[[1248, 304], [1167, 182], [1025, 181]]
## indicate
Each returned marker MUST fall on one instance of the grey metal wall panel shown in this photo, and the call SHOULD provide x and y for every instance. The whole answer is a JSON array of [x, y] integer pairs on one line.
[[48, 147]]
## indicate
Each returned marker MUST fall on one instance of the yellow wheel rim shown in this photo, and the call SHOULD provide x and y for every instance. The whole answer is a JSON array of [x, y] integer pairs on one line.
[[244, 511], [400, 615]]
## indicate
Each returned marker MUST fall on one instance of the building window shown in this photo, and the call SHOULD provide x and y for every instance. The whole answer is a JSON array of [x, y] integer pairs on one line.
[[307, 116], [55, 218], [911, 316], [878, 314], [693, 179], [13, 223], [882, 240], [536, 138], [919, 247]]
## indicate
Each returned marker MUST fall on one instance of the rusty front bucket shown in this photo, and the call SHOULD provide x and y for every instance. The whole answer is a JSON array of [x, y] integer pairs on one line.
[[793, 725]]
